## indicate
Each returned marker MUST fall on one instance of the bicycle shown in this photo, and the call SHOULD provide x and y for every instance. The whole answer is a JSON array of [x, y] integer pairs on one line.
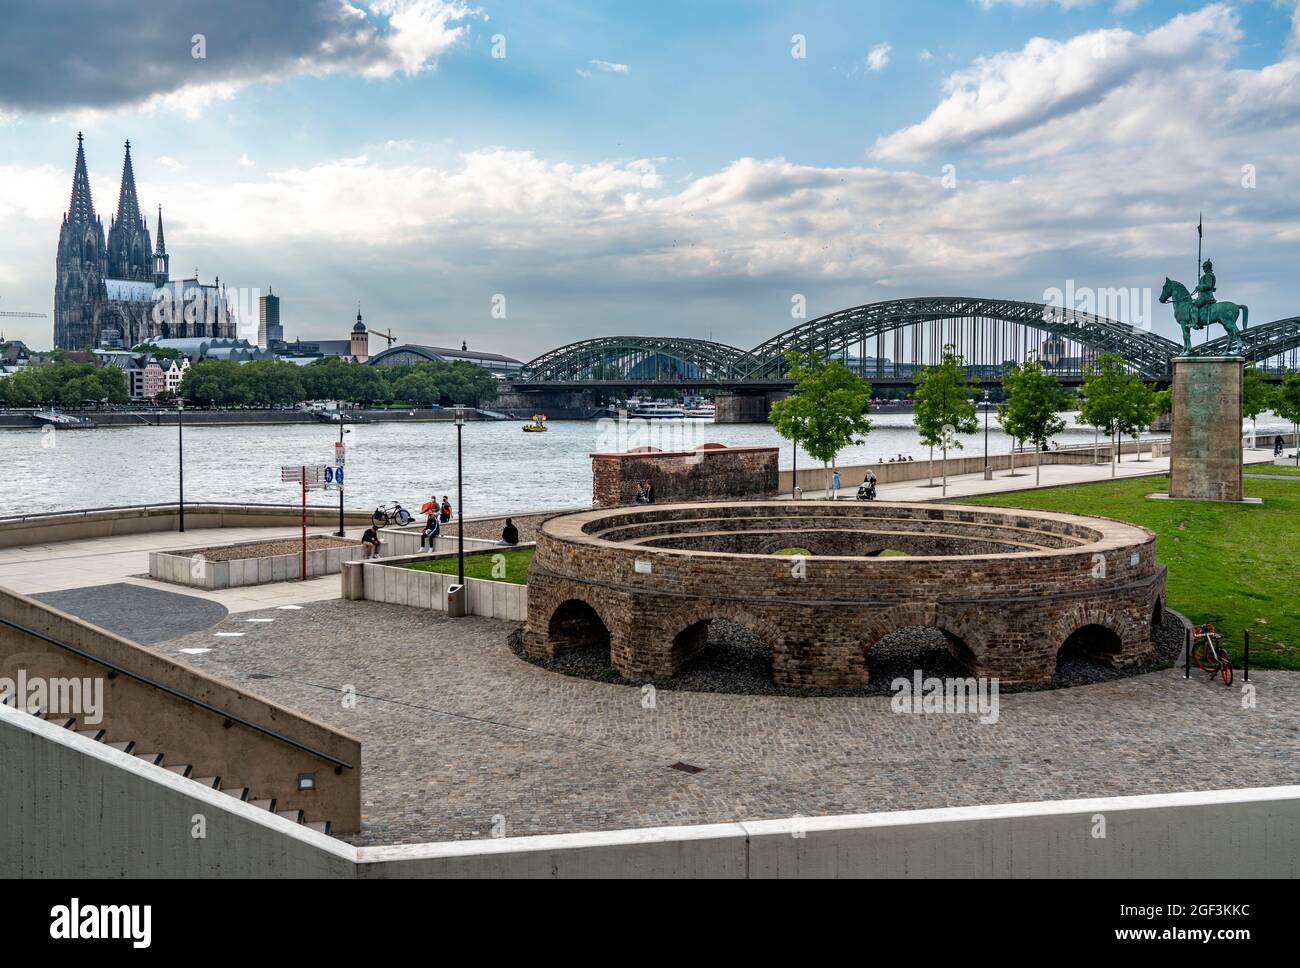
[[1208, 654], [386, 515]]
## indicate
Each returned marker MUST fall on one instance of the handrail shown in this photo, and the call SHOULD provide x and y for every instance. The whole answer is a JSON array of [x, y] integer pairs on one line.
[[190, 505], [176, 693]]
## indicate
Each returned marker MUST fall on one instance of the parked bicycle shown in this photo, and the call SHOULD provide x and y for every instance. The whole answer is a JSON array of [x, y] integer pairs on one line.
[[1209, 654], [389, 514]]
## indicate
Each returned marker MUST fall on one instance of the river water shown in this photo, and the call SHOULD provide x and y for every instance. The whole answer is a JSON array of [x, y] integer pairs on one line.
[[505, 470]]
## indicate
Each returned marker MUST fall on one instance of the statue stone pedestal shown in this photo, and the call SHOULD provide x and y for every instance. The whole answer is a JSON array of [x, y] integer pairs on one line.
[[1205, 453]]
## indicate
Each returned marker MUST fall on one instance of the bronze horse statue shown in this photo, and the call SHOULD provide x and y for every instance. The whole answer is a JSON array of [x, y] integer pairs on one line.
[[1189, 317]]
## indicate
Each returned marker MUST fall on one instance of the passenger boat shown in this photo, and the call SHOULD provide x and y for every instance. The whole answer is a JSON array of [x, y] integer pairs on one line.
[[702, 411], [538, 426], [657, 409]]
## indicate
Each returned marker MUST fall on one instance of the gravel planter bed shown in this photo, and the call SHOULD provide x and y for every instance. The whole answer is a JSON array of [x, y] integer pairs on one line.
[[269, 549], [735, 661]]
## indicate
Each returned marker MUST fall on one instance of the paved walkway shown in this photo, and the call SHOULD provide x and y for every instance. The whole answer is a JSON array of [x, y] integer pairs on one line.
[[104, 561], [458, 733], [1052, 475]]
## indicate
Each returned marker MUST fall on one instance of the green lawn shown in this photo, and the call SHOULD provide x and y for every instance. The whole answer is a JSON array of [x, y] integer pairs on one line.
[[1236, 565], [482, 563], [1290, 470]]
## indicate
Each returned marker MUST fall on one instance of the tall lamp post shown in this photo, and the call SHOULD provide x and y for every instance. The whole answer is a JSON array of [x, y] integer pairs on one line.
[[460, 501], [180, 457], [988, 472], [339, 456]]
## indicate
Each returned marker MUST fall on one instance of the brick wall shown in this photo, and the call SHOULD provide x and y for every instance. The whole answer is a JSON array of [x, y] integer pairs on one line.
[[709, 473]]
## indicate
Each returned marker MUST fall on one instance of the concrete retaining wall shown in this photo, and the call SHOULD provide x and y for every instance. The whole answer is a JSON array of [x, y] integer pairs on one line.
[[106, 522], [386, 581], [406, 541], [191, 568], [74, 808]]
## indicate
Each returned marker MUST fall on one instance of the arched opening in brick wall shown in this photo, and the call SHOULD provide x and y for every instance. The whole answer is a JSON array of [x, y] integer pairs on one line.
[[576, 627], [1088, 645], [719, 650], [1157, 616], [935, 651]]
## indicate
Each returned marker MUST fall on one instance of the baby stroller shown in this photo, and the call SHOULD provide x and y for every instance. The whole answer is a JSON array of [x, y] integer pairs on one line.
[[867, 490]]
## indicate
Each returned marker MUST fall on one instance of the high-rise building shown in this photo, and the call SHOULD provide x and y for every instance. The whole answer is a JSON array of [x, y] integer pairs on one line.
[[269, 330]]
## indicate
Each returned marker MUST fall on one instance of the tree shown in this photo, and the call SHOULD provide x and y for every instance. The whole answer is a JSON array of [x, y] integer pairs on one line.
[[1286, 404], [827, 410], [1256, 397], [944, 408], [162, 353], [1141, 410], [1031, 410], [1107, 390]]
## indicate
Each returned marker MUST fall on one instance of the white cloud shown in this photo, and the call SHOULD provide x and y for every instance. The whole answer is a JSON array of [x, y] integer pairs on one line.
[[169, 163], [609, 67], [1012, 94], [878, 57], [246, 162], [925, 54]]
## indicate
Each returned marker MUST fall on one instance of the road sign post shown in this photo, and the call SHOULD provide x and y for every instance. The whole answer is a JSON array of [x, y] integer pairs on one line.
[[308, 477]]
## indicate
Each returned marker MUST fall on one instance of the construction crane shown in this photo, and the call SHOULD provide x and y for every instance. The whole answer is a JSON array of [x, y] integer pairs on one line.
[[385, 336], [17, 315]]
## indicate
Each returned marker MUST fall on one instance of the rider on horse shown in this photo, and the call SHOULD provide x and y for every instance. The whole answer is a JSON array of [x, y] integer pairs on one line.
[[1203, 297]]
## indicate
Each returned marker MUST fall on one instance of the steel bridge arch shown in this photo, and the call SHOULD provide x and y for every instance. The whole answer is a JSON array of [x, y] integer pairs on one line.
[[576, 361], [1146, 352], [1261, 342]]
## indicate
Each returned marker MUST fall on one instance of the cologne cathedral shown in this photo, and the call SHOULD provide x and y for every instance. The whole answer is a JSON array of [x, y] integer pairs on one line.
[[116, 290]]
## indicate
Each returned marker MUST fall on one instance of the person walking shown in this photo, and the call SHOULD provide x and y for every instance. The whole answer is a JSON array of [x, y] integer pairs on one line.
[[444, 512], [1277, 445], [835, 486]]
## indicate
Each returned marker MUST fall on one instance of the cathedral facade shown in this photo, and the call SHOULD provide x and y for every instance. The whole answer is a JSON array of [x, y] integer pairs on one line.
[[115, 290]]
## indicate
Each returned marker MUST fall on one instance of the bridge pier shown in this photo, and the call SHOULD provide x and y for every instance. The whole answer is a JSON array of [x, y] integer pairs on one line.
[[558, 405], [746, 407]]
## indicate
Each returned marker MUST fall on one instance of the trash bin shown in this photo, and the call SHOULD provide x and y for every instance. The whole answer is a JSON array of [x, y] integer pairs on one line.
[[457, 601]]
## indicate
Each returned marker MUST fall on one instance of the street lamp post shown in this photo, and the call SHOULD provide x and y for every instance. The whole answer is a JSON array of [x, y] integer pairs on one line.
[[460, 501], [340, 455], [988, 471], [180, 457]]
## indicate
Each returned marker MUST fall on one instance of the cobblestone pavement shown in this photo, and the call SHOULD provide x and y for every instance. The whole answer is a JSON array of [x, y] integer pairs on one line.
[[457, 732]]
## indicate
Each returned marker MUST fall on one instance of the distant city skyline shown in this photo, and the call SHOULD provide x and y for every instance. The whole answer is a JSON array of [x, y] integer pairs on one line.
[[519, 176]]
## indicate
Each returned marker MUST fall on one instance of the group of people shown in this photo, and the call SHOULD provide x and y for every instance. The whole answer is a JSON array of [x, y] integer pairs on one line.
[[437, 513], [645, 493], [866, 490], [900, 459]]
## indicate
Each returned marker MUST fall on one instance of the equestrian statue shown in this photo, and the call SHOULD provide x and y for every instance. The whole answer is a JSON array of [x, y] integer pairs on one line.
[[1200, 309]]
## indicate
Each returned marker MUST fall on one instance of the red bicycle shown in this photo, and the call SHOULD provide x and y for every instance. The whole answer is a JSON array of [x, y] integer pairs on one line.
[[1208, 654]]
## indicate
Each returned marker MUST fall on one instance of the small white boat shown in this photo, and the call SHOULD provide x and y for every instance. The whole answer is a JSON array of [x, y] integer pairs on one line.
[[702, 411]]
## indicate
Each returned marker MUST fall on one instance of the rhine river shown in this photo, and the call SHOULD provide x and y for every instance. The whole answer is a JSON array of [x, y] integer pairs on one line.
[[505, 470]]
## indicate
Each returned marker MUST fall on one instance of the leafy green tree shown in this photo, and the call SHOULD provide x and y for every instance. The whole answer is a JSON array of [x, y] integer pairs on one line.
[[1141, 411], [1256, 397], [1286, 404], [826, 411], [162, 353], [1032, 408], [1109, 392], [944, 407]]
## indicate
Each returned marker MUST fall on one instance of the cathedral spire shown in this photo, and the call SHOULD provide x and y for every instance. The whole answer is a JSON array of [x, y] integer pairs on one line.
[[128, 204], [162, 246], [81, 208]]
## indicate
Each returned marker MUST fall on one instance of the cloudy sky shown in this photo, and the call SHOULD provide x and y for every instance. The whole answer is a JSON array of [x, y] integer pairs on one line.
[[658, 168]]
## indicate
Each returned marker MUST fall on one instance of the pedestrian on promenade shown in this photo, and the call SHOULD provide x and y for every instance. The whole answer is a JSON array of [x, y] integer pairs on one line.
[[370, 541], [431, 529], [835, 486], [509, 534], [445, 511], [1277, 445], [649, 493]]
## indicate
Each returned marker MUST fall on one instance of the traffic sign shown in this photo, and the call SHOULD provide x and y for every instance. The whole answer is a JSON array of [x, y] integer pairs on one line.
[[338, 475]]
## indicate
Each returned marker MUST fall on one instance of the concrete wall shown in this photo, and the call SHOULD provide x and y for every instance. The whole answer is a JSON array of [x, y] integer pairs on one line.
[[167, 707], [190, 568], [106, 522], [387, 581], [76, 808], [406, 541]]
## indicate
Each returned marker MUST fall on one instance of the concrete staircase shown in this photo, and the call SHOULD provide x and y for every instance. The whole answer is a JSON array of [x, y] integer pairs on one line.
[[98, 734]]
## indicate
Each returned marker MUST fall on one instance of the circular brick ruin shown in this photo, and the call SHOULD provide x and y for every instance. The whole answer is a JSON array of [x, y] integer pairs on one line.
[[1009, 589]]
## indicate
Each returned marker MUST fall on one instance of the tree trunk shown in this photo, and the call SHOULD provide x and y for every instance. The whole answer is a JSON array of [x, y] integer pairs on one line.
[[945, 470], [1038, 466], [1114, 442], [932, 465]]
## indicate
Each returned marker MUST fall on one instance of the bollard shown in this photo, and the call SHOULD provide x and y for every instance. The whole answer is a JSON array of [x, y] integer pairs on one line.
[[1187, 656], [1246, 657]]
